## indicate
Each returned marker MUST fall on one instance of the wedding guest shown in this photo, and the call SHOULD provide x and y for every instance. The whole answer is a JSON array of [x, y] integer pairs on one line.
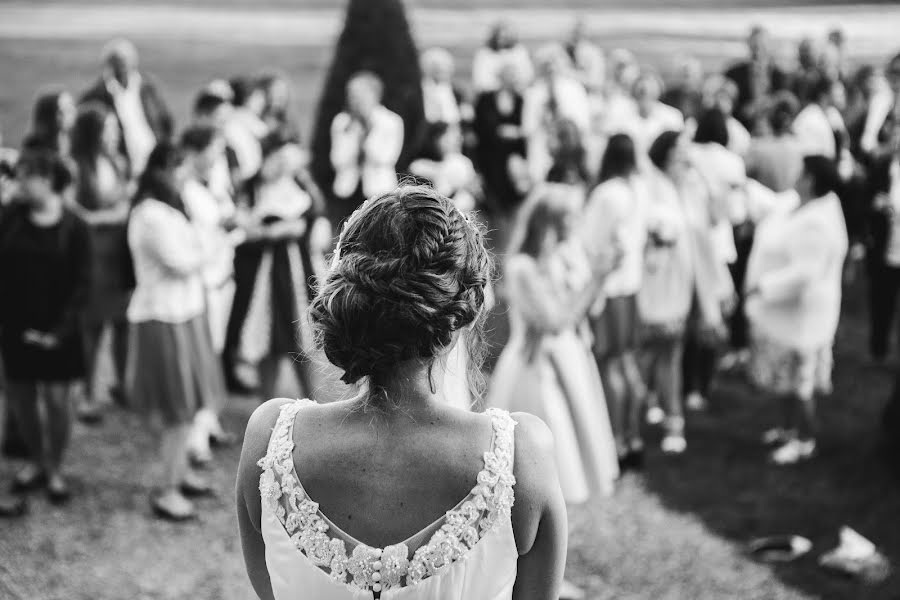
[[451, 173], [756, 78], [774, 159], [143, 116], [277, 93], [568, 157], [52, 120], [212, 217], [653, 117], [588, 60], [685, 92], [283, 257], [616, 212], [793, 303], [366, 140], [102, 196], [546, 368], [441, 99], [884, 111], [679, 276], [808, 74], [554, 97], [501, 140], [172, 369], [400, 441], [883, 248], [45, 267], [502, 48], [213, 110], [819, 127]]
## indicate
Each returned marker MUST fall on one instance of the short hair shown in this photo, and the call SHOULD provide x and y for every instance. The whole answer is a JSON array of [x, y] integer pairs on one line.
[[782, 112], [369, 79], [198, 138], [207, 103], [47, 164], [436, 57], [278, 139], [824, 174], [120, 47]]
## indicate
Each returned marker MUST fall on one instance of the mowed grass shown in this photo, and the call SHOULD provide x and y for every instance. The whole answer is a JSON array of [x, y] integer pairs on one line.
[[676, 531]]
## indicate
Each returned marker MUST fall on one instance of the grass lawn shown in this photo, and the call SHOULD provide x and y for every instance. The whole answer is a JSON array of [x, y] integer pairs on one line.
[[676, 531]]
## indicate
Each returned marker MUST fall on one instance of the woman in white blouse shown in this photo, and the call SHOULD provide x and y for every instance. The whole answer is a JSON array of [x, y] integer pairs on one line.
[[794, 302], [172, 369]]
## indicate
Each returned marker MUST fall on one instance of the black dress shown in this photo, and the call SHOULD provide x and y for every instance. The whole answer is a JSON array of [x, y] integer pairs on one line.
[[287, 279], [495, 151], [45, 274]]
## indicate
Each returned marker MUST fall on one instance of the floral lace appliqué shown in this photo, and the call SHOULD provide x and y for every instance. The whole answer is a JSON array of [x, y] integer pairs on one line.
[[378, 569]]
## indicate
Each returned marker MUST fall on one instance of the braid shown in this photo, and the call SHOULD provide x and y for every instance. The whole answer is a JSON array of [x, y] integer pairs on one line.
[[411, 271]]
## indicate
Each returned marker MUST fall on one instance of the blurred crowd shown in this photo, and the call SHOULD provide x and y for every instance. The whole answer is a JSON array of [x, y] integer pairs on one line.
[[653, 232]]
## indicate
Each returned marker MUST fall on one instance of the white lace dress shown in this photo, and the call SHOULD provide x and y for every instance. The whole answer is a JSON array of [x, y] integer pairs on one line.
[[469, 553]]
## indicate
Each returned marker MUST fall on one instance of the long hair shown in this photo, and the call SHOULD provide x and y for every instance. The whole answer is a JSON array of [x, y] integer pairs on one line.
[[619, 158], [87, 135], [157, 182], [546, 209], [45, 123]]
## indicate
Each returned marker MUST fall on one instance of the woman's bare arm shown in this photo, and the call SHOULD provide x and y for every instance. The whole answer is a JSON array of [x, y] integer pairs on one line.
[[539, 514], [249, 511]]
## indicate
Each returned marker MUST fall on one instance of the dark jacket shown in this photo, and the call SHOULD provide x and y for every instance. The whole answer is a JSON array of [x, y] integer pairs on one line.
[[155, 110], [877, 222], [744, 109]]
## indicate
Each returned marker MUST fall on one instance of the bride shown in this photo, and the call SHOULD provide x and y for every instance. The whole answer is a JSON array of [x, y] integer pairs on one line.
[[396, 494]]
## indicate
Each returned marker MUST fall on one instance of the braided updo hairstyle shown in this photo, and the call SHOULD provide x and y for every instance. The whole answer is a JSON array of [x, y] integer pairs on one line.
[[410, 271]]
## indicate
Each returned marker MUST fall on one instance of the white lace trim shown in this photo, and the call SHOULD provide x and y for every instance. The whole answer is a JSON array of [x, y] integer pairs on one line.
[[378, 569]]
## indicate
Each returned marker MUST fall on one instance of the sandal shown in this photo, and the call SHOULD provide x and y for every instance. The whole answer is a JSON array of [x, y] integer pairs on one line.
[[177, 514], [12, 507], [29, 479], [196, 488], [58, 491]]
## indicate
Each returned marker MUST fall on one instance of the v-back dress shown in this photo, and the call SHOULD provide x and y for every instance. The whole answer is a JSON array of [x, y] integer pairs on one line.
[[470, 552]]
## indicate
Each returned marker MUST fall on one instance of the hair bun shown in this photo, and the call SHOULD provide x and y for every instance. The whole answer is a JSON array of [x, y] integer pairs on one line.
[[411, 272]]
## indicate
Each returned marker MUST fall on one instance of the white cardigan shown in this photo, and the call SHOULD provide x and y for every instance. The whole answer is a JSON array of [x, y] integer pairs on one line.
[[169, 255], [380, 146], [796, 264]]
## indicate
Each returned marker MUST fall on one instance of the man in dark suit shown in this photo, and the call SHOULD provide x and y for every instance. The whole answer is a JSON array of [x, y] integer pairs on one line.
[[144, 119], [756, 79]]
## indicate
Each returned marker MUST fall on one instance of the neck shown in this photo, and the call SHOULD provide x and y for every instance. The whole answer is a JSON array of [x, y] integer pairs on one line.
[[413, 388]]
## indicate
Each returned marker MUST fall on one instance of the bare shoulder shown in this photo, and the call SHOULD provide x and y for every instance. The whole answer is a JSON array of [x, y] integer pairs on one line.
[[535, 468], [259, 430]]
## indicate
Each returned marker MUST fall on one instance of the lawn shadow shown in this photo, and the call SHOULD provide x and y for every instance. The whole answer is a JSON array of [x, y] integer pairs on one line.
[[724, 478]]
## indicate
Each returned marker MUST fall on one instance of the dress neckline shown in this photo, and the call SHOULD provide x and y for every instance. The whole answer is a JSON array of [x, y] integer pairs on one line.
[[354, 540], [376, 569]]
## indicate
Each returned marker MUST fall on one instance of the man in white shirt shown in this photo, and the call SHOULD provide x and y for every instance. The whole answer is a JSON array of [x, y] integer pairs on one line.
[[366, 141], [143, 118], [815, 125], [653, 117], [438, 95]]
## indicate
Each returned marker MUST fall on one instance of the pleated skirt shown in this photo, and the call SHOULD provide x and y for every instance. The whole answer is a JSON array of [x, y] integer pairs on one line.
[[173, 370]]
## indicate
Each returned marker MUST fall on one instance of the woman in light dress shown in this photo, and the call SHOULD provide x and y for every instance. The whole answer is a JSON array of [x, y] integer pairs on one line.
[[407, 281], [546, 367]]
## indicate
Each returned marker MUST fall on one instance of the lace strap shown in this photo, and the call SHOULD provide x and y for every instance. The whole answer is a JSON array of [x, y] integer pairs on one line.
[[503, 443], [282, 431]]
